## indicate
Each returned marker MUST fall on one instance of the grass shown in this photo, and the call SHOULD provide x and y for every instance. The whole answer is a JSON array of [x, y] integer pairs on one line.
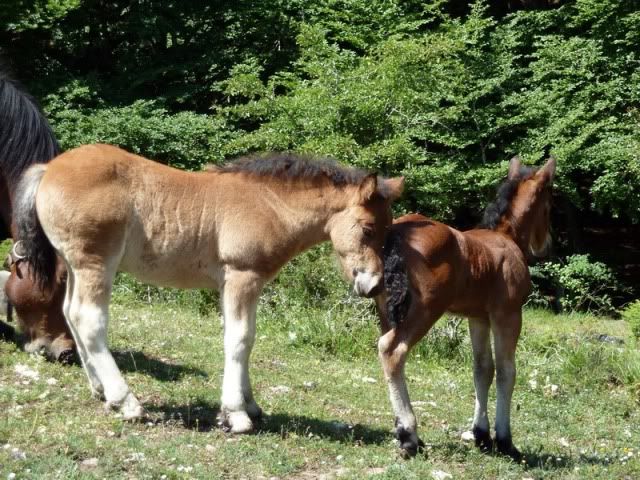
[[315, 373]]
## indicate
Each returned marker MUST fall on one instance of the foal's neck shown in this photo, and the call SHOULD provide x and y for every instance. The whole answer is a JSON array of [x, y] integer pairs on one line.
[[305, 210], [516, 223]]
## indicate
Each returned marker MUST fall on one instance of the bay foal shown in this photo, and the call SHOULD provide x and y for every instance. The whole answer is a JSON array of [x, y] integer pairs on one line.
[[232, 228], [482, 274]]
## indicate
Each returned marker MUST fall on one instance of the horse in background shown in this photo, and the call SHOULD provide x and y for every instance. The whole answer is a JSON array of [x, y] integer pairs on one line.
[[481, 274], [231, 229], [26, 139]]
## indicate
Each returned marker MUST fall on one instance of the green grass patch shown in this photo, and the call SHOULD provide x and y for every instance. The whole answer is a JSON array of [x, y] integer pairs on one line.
[[316, 374]]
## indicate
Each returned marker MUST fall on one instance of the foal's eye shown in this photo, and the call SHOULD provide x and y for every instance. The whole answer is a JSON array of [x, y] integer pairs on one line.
[[368, 230]]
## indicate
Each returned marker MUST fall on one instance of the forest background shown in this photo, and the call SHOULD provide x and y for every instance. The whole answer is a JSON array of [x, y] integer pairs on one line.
[[443, 92]]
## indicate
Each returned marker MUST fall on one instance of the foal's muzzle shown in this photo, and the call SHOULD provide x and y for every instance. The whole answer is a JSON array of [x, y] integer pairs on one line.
[[367, 284]]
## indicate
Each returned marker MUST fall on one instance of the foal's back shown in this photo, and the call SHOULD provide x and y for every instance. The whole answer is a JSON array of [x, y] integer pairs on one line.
[[468, 273], [129, 213]]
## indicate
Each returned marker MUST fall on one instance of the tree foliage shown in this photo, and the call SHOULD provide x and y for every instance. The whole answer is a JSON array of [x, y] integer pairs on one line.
[[443, 92]]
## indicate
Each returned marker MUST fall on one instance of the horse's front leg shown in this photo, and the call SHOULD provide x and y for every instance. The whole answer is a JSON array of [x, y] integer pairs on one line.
[[239, 301], [393, 353]]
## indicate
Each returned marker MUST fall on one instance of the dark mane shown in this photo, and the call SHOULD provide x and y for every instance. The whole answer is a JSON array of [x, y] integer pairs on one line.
[[292, 166], [25, 135], [496, 209]]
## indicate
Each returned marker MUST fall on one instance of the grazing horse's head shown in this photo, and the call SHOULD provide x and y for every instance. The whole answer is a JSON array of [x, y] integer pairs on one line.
[[532, 203], [358, 231]]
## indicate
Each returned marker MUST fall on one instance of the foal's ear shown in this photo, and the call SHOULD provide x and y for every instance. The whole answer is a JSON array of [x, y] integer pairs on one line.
[[548, 170], [391, 188], [368, 187], [514, 168]]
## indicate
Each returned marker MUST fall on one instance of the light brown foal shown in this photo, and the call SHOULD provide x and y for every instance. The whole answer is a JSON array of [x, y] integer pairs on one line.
[[482, 274], [105, 210]]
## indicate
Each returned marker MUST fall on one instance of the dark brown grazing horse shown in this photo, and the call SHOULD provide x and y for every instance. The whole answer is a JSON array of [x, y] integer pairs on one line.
[[26, 139], [482, 274]]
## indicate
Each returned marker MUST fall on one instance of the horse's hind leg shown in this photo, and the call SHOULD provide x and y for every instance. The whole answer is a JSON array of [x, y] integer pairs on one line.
[[506, 331], [483, 370], [94, 383], [240, 298], [89, 315]]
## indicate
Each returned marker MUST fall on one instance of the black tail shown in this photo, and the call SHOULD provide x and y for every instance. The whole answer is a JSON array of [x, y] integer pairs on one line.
[[25, 135], [35, 246], [396, 279]]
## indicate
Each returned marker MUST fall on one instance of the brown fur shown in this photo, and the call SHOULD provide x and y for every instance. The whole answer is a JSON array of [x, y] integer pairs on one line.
[[480, 274], [39, 313], [230, 229]]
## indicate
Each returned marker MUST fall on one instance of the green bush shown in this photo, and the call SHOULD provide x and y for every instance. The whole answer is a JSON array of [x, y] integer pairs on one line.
[[583, 285], [127, 289], [632, 315]]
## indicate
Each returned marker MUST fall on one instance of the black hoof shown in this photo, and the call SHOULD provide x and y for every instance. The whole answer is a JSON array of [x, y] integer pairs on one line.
[[408, 447], [7, 332], [483, 440], [505, 447], [68, 357], [256, 417]]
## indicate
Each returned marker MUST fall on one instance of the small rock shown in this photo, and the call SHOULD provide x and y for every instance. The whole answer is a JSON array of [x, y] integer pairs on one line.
[[376, 471], [603, 337], [26, 372], [280, 389], [89, 463], [440, 475], [563, 441], [309, 385], [369, 380], [18, 454], [467, 436]]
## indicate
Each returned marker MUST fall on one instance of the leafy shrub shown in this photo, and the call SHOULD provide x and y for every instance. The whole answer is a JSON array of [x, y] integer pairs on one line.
[[583, 285], [632, 315], [127, 289], [447, 340], [185, 140]]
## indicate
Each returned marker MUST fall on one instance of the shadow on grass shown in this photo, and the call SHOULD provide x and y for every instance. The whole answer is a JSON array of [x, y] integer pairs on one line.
[[201, 416], [134, 361], [284, 424], [530, 459]]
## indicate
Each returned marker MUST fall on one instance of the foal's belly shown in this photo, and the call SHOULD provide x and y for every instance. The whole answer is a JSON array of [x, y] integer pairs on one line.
[[179, 269]]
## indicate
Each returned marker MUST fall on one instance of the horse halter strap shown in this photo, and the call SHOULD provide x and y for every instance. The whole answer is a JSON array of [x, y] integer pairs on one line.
[[14, 257]]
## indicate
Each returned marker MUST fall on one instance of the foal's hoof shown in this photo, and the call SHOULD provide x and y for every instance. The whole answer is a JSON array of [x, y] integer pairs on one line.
[[68, 357], [255, 412], [506, 447], [129, 408], [410, 449], [235, 422], [7, 332], [483, 440], [410, 444]]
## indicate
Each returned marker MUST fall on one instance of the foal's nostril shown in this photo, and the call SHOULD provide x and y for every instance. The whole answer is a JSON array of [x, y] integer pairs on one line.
[[354, 272]]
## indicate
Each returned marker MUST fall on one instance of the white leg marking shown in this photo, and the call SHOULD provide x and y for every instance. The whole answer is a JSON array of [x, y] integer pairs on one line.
[[393, 363], [240, 295], [483, 370], [505, 339], [89, 315], [94, 383]]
